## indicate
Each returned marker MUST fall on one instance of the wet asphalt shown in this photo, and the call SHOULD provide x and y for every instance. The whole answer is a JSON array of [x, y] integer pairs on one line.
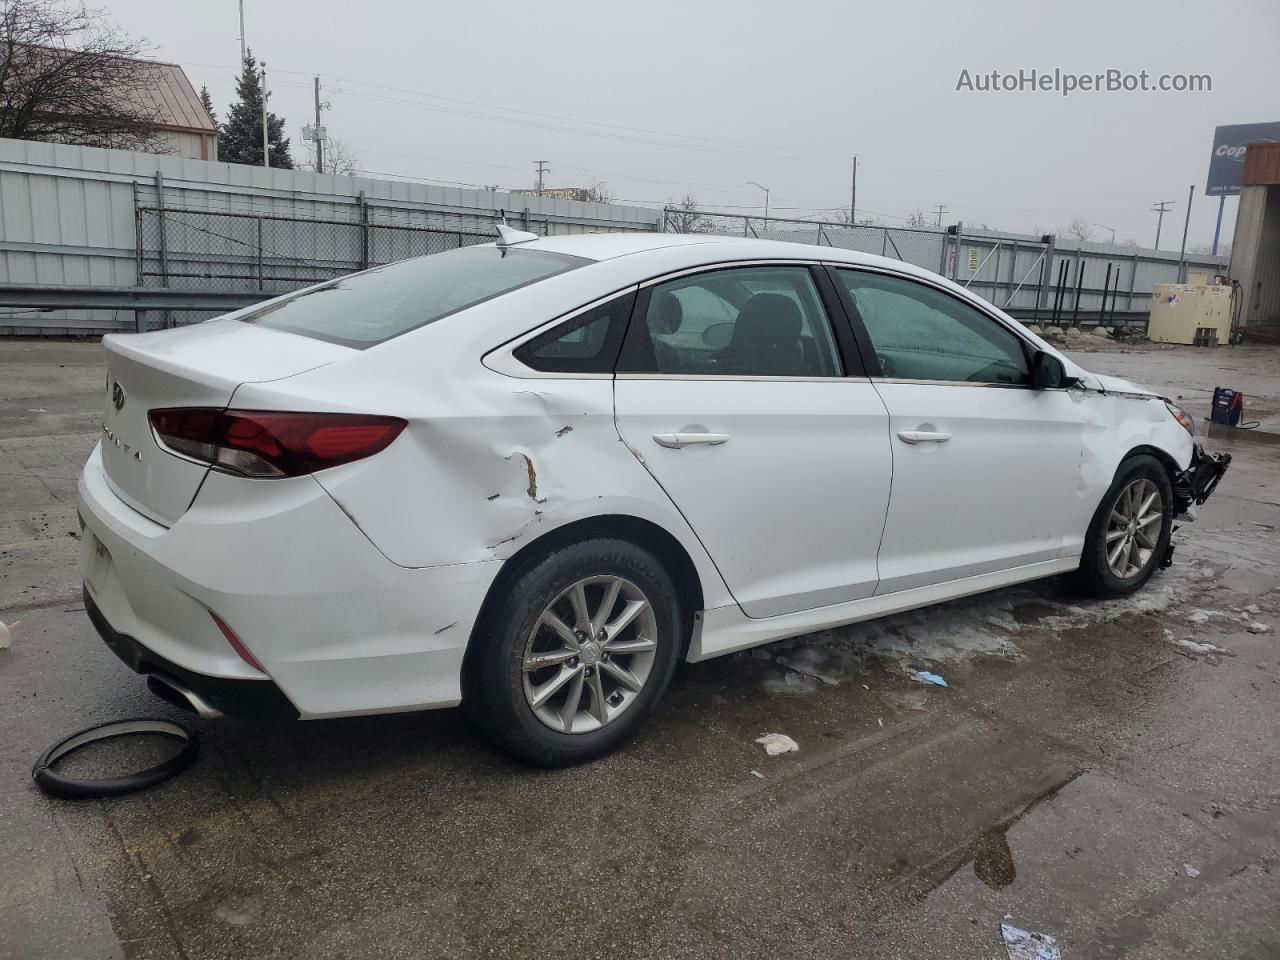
[[1081, 758]]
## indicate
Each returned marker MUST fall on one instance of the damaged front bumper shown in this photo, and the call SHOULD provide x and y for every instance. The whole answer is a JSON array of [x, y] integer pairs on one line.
[[1194, 485]]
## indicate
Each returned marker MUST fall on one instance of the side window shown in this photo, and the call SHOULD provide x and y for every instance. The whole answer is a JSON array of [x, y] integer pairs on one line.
[[920, 333], [587, 343], [742, 321]]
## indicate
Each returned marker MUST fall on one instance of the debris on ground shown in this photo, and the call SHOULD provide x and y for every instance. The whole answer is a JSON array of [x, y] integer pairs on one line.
[[1255, 626], [1025, 945], [758, 775], [1199, 616], [807, 669], [1190, 871], [1196, 649], [924, 676], [6, 634], [880, 720], [776, 743]]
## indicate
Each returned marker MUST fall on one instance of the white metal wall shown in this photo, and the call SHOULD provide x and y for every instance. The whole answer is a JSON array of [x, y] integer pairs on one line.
[[67, 213]]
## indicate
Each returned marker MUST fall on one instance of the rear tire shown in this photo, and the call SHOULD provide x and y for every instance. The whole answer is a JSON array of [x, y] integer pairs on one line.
[[1129, 535], [576, 658]]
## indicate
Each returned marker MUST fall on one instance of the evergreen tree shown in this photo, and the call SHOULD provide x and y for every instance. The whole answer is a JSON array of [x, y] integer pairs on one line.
[[240, 138], [206, 101]]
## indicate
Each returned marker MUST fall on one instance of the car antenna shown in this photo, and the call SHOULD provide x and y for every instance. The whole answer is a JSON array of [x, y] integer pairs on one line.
[[509, 236]]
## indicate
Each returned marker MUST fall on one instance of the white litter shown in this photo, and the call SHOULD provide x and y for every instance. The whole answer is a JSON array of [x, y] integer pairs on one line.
[[758, 775], [1191, 871], [880, 720], [776, 743], [6, 636], [1025, 945]]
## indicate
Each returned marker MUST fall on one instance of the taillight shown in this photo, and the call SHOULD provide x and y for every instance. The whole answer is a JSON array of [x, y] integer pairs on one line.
[[269, 443]]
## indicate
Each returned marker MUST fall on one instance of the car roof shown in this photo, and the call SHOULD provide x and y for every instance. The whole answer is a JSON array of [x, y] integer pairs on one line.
[[697, 249]]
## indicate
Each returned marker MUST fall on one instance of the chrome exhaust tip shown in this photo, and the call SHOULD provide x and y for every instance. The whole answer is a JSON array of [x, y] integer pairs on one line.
[[181, 696]]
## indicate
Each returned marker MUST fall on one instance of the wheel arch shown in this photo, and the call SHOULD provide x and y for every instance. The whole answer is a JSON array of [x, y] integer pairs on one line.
[[1165, 458], [642, 533]]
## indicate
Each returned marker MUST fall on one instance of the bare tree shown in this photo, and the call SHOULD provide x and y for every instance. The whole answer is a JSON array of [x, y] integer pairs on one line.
[[1079, 228], [68, 75], [685, 218], [598, 192], [340, 158], [918, 220]]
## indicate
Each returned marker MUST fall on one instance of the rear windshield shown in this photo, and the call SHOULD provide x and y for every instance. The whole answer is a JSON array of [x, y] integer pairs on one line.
[[371, 307]]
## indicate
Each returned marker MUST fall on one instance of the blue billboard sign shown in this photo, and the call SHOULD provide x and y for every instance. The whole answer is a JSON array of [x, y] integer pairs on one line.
[[1227, 161]]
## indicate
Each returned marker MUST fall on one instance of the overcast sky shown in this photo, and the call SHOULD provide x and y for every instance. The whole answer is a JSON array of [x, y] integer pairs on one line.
[[660, 99]]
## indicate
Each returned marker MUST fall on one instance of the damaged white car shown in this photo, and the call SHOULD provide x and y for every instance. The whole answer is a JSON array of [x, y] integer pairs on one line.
[[535, 475]]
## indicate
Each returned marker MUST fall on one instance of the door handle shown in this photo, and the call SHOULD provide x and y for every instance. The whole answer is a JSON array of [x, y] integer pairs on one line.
[[678, 440], [923, 436]]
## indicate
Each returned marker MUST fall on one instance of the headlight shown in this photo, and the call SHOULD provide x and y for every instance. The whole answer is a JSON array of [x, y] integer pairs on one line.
[[1188, 422]]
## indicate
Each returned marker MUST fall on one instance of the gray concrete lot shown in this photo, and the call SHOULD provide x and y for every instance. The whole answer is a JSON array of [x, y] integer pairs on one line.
[[1083, 753]]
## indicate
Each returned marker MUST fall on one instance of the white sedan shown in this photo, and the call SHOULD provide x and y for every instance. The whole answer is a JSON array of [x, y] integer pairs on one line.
[[534, 475]]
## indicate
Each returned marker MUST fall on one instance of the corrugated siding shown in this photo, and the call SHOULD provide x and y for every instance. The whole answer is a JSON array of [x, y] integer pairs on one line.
[[67, 213]]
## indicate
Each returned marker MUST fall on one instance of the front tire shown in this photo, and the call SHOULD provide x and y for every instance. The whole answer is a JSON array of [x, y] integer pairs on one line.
[[575, 660], [1129, 535]]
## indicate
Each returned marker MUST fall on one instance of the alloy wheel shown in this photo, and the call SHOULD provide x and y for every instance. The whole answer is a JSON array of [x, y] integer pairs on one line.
[[590, 654], [1133, 529]]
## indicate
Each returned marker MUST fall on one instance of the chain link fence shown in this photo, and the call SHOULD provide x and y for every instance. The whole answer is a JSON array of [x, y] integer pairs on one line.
[[1029, 276], [201, 250]]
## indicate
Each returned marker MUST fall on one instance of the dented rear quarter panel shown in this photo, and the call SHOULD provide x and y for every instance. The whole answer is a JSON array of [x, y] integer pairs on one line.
[[488, 462]]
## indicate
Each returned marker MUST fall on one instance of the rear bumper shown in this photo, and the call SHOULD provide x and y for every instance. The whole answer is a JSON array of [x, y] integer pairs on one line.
[[338, 628], [241, 698], [1194, 485]]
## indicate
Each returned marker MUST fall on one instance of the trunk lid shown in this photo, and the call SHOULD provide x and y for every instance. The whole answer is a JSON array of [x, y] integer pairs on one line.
[[196, 366]]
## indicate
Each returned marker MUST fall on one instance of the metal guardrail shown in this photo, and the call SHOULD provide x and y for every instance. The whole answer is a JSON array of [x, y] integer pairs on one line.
[[48, 297]]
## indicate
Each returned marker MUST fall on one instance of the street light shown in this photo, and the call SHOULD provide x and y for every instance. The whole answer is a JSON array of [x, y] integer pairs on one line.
[[1112, 229], [766, 196]]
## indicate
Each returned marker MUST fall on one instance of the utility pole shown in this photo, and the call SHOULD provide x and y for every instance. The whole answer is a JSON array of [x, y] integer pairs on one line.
[[1161, 209], [543, 167], [242, 34], [853, 194], [266, 141], [760, 186], [941, 211], [1186, 226], [319, 133]]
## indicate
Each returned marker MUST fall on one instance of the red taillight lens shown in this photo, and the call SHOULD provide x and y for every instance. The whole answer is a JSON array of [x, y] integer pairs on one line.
[[268, 443]]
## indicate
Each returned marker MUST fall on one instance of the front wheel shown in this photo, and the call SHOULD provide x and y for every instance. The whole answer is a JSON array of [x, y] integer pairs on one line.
[[1129, 535], [575, 660]]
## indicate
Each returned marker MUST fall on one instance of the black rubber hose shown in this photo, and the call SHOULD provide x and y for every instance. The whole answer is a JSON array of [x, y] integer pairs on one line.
[[57, 785]]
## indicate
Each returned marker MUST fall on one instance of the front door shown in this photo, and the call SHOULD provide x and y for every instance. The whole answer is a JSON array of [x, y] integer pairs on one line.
[[756, 420], [986, 468]]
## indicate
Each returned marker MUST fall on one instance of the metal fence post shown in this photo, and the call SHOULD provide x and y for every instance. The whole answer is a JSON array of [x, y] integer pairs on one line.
[[1046, 273], [139, 316], [1133, 276], [164, 241], [258, 221], [364, 231]]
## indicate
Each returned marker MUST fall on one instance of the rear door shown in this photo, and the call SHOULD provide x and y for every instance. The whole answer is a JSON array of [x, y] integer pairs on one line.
[[986, 468], [752, 412]]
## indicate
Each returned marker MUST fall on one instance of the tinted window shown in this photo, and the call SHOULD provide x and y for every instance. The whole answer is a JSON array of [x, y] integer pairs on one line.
[[370, 307], [746, 321], [920, 333], [587, 343]]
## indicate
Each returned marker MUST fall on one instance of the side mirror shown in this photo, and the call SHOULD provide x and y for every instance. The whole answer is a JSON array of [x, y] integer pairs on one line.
[[1048, 373]]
